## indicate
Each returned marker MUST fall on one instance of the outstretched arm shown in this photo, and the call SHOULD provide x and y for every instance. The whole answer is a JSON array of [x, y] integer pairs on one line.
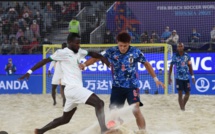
[[152, 73], [97, 57], [35, 67]]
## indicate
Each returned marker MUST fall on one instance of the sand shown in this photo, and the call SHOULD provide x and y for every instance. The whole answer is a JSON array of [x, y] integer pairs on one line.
[[20, 114]]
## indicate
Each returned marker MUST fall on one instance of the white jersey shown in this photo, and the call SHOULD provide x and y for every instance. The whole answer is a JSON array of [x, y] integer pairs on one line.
[[69, 62]]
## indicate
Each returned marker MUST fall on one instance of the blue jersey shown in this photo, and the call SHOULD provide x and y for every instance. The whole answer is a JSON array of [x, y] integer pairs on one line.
[[181, 62], [124, 66]]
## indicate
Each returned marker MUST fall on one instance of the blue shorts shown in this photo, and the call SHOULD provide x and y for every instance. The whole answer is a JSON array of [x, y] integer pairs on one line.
[[183, 85], [119, 95]]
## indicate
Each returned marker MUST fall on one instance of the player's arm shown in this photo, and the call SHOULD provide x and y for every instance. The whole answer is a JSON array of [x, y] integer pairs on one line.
[[50, 67], [90, 61], [94, 58], [170, 73], [150, 70], [97, 57], [152, 73], [35, 67], [191, 71]]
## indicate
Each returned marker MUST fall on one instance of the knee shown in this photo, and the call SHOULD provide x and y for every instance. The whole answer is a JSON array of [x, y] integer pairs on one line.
[[136, 111], [100, 104]]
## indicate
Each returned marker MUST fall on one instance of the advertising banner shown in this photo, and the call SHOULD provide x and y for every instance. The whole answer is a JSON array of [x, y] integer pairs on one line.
[[205, 84], [202, 63], [11, 85], [102, 84]]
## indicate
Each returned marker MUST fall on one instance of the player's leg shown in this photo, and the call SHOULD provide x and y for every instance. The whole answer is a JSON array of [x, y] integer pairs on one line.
[[133, 98], [117, 100], [69, 110], [187, 92], [180, 87], [54, 93], [62, 94], [57, 122], [96, 102]]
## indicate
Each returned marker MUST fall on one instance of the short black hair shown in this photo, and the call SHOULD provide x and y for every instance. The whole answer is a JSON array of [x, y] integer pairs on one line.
[[123, 37], [64, 45], [72, 37]]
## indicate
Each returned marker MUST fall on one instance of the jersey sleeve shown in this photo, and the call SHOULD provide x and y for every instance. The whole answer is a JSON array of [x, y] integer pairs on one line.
[[140, 56], [173, 60], [83, 53], [59, 55], [51, 65], [189, 57], [107, 53]]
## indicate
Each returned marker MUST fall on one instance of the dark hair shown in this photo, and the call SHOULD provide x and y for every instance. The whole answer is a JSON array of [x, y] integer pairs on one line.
[[64, 45], [123, 37], [72, 37]]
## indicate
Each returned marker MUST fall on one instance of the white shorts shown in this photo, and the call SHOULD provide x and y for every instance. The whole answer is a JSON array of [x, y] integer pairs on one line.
[[57, 79], [58, 75], [75, 95]]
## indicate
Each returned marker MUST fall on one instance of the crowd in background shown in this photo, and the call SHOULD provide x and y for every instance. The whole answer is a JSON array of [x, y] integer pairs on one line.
[[170, 37], [25, 26]]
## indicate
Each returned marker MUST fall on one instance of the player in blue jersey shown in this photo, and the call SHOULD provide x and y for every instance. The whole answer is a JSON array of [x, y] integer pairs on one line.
[[124, 60], [183, 67]]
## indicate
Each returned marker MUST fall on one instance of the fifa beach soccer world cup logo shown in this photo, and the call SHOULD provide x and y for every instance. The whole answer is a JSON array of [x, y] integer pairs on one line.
[[202, 84]]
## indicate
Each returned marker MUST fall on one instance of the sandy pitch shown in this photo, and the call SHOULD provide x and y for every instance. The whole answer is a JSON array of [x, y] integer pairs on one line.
[[21, 114]]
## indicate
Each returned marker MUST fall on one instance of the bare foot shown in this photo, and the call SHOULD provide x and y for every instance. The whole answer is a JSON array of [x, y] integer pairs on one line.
[[37, 131], [3, 132], [141, 132], [54, 103], [112, 131]]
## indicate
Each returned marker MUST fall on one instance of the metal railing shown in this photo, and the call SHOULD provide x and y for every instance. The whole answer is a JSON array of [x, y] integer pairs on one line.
[[97, 35], [81, 16]]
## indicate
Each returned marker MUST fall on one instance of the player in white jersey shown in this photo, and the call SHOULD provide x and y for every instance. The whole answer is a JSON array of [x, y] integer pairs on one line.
[[75, 93], [57, 78]]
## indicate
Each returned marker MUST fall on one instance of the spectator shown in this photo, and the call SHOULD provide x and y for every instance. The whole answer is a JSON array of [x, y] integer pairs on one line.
[[26, 17], [12, 15], [35, 29], [10, 68], [21, 40], [18, 8], [34, 44], [194, 37], [144, 37], [213, 34], [58, 10], [14, 47], [19, 33], [74, 26], [29, 34], [39, 18], [165, 35], [108, 37], [46, 41], [154, 37], [6, 47], [173, 39], [14, 28], [6, 28], [22, 23]]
